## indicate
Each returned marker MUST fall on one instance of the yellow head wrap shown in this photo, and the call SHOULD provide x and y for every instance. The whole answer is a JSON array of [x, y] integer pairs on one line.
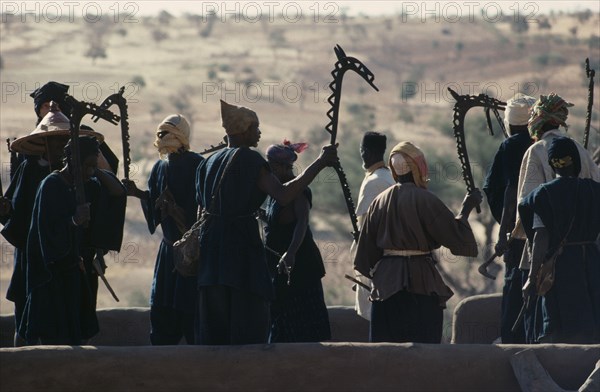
[[178, 136]]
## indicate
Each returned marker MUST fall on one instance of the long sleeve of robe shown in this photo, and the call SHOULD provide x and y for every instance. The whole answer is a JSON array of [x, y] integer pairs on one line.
[[406, 217]]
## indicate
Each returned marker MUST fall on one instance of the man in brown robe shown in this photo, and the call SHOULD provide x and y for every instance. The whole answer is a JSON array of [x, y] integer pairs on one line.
[[404, 224]]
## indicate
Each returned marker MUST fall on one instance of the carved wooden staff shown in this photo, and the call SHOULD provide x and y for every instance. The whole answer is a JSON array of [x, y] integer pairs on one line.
[[344, 64], [120, 100], [80, 109], [461, 107], [590, 73]]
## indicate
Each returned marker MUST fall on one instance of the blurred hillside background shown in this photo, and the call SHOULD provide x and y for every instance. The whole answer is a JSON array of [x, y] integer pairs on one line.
[[279, 64]]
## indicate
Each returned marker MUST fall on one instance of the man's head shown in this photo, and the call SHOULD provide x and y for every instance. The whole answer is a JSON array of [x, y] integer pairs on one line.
[[51, 91], [372, 148], [548, 112], [517, 112], [405, 159], [172, 135], [48, 139], [241, 124], [563, 157], [88, 155]]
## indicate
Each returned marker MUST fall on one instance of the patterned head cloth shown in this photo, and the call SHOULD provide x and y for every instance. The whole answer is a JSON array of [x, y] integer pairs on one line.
[[237, 119], [563, 153], [412, 160], [51, 91], [172, 134], [551, 109], [285, 153], [517, 110]]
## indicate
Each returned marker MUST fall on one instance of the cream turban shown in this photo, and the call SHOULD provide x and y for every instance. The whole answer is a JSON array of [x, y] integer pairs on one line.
[[236, 119], [406, 157], [518, 109], [178, 135]]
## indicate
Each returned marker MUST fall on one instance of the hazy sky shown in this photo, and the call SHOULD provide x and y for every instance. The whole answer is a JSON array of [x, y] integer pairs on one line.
[[151, 7]]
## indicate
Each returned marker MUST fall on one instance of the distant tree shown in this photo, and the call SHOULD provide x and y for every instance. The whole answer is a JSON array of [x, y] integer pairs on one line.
[[165, 18], [121, 31], [97, 33], [95, 51], [459, 46], [194, 19], [573, 31], [8, 21], [212, 74], [210, 22], [544, 24], [519, 24], [159, 35], [1, 62], [583, 16], [139, 81], [277, 38]]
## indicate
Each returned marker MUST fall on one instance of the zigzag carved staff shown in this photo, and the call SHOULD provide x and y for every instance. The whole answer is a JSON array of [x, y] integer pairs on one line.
[[590, 73], [78, 111], [119, 100], [344, 64], [461, 107]]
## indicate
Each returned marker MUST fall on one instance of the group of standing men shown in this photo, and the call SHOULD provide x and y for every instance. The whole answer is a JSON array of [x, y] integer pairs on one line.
[[546, 221], [231, 300], [246, 291], [549, 234]]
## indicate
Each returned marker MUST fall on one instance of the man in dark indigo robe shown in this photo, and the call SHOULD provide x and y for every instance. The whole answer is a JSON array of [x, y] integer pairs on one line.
[[170, 202], [501, 191], [563, 216], [298, 311], [43, 149], [234, 282], [59, 307], [547, 114]]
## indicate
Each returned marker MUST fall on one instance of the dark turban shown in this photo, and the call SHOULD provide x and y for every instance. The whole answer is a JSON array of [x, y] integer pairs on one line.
[[285, 153], [51, 91], [563, 153]]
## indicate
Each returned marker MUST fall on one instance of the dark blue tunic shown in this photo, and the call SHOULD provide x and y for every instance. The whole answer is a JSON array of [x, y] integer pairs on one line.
[[170, 289], [60, 308], [21, 192], [571, 308], [232, 252], [298, 312], [503, 173]]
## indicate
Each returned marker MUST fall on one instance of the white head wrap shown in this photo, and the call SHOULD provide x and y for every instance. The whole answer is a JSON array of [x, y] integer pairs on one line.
[[518, 110]]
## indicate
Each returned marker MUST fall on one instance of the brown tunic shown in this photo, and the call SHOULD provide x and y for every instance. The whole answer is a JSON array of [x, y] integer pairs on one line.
[[406, 217]]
